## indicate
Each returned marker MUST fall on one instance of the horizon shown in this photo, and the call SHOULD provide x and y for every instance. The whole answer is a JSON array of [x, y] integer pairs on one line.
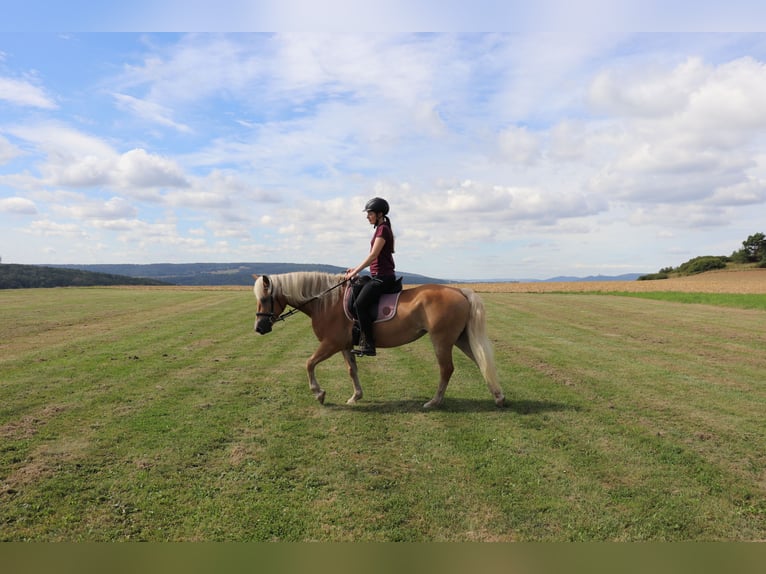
[[582, 149], [302, 264]]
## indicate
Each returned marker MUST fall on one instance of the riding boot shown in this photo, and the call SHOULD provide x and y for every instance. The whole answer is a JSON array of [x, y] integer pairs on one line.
[[367, 342]]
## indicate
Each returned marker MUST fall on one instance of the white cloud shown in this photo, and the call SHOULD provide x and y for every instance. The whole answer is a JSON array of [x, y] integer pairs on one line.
[[48, 228], [644, 91], [749, 192], [138, 168], [568, 140], [518, 145], [60, 141], [7, 151], [133, 169], [684, 133], [140, 236], [18, 205], [78, 160], [115, 208], [152, 112], [24, 94], [730, 106], [195, 68]]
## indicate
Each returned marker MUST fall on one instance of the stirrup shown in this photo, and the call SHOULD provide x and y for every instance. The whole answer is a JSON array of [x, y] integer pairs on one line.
[[364, 351]]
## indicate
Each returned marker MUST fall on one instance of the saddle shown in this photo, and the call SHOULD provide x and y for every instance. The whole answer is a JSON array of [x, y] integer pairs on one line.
[[386, 304]]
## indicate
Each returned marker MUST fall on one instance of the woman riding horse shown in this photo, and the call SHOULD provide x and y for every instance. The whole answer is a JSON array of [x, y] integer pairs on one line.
[[382, 269]]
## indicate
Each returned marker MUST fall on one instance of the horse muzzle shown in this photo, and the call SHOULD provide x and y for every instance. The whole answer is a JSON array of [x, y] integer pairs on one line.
[[263, 326]]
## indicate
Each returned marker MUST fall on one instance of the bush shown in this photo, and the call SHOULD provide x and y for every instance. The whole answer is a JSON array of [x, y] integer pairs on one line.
[[653, 276], [702, 264], [739, 257]]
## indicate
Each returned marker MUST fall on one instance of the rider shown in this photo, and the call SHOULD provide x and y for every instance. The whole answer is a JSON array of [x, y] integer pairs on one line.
[[381, 262]]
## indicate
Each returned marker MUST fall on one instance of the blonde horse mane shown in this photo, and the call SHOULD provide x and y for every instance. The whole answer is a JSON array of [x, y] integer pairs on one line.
[[301, 286]]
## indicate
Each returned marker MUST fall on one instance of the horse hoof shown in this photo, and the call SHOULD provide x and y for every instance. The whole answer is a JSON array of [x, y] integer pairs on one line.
[[500, 401], [431, 404], [320, 397], [352, 400]]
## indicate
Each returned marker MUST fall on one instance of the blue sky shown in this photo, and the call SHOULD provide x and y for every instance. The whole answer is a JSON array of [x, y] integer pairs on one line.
[[529, 152]]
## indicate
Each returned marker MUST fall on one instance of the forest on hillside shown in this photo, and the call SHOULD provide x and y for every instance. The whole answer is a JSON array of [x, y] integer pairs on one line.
[[13, 276]]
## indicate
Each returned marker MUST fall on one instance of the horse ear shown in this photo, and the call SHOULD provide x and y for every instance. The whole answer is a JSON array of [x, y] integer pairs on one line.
[[255, 276], [266, 283]]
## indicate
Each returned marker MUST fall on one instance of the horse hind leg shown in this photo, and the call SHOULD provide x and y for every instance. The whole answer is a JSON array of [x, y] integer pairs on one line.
[[488, 371], [443, 352]]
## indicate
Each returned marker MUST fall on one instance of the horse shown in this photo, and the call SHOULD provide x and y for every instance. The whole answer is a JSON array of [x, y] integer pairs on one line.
[[451, 316]]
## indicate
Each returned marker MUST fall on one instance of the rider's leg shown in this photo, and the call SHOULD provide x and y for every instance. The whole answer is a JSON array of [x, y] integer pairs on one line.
[[365, 303]]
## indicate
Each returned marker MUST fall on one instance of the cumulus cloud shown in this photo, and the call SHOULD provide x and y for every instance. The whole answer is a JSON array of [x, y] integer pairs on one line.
[[18, 205], [48, 228], [140, 235], [643, 91], [685, 132], [138, 168], [115, 208], [482, 205], [75, 159], [133, 169]]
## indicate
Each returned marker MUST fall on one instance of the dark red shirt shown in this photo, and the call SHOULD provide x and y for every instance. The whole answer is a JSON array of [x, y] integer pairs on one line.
[[384, 264]]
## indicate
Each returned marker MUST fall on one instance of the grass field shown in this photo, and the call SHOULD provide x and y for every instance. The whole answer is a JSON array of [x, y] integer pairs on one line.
[[157, 414]]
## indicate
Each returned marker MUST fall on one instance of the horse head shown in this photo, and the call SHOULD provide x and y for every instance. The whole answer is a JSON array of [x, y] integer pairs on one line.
[[269, 306]]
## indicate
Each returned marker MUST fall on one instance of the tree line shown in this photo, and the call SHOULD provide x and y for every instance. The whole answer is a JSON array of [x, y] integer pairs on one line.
[[752, 252]]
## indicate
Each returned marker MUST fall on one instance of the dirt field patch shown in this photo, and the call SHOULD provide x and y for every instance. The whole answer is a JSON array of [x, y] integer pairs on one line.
[[740, 281]]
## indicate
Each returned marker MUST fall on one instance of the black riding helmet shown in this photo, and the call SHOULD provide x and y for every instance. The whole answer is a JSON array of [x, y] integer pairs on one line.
[[378, 205]]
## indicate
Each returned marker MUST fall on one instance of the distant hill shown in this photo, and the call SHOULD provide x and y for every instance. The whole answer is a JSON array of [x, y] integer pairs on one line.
[[565, 279], [220, 273], [625, 277], [13, 276]]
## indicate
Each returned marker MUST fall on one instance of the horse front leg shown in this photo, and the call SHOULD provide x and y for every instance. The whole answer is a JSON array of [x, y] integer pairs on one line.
[[353, 373], [324, 351]]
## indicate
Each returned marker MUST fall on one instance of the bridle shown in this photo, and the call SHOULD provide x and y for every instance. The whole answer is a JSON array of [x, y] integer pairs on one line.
[[297, 308], [271, 315]]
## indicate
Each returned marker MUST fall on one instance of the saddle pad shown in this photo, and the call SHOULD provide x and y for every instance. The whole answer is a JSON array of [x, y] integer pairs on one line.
[[386, 306]]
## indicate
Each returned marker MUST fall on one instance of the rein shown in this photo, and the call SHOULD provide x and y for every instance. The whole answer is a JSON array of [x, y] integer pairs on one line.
[[297, 308]]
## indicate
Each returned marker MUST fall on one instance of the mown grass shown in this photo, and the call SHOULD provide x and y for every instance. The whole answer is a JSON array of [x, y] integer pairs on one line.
[[157, 414]]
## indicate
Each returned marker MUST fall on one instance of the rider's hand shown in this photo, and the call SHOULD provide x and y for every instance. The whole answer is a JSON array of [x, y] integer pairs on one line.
[[351, 273]]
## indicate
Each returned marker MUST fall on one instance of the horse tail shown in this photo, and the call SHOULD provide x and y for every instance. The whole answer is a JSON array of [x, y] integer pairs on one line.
[[480, 345]]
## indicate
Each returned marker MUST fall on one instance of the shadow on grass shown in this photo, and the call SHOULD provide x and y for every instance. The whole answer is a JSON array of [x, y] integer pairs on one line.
[[456, 405]]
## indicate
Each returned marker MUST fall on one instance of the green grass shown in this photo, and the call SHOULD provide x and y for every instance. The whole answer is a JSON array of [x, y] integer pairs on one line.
[[129, 414], [738, 300]]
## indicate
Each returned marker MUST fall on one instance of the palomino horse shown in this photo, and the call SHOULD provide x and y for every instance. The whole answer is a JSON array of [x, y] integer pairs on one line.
[[452, 317]]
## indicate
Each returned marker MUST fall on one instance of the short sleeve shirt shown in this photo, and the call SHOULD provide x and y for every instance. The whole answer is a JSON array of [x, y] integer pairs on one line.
[[384, 264]]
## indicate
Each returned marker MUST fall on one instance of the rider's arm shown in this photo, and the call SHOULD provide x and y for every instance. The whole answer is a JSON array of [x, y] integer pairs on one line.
[[377, 247]]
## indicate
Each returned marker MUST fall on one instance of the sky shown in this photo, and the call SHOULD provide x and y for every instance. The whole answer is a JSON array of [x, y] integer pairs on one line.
[[179, 133]]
